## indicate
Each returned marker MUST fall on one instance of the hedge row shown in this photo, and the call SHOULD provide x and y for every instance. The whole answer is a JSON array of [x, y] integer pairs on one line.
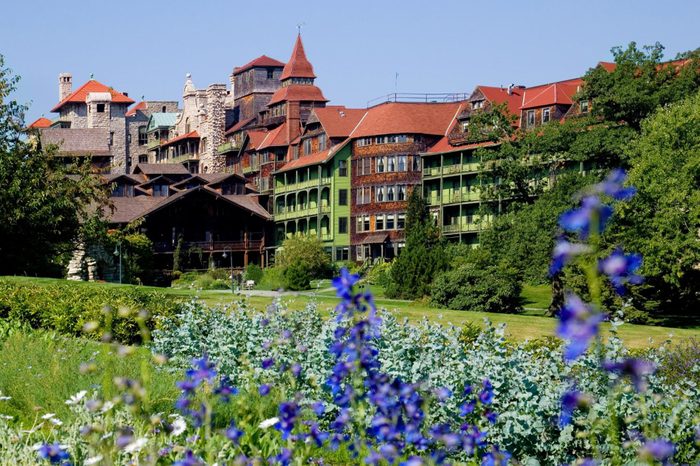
[[67, 307]]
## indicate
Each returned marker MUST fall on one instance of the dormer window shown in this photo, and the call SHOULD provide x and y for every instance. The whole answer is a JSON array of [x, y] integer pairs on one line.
[[270, 73], [477, 104], [160, 190], [584, 106], [123, 190], [100, 108]]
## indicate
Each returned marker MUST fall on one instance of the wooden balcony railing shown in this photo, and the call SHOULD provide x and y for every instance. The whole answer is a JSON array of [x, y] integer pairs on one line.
[[254, 243]]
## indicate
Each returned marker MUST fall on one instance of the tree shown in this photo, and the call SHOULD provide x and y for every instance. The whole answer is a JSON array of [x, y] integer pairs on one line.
[[42, 209], [662, 222], [306, 249], [422, 259]]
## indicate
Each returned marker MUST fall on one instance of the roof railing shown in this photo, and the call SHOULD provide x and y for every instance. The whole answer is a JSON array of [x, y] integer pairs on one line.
[[425, 97]]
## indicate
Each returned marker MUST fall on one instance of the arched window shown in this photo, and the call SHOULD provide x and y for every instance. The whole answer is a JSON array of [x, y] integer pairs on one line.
[[187, 125]]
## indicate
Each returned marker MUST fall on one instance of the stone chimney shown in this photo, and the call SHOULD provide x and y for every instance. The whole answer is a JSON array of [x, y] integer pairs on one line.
[[65, 85], [215, 126]]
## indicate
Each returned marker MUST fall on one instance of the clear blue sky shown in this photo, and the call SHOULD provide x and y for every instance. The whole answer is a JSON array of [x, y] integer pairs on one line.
[[146, 47]]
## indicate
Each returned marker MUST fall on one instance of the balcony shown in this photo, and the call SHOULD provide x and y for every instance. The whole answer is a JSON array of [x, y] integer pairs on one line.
[[314, 183], [184, 157], [251, 169], [226, 147], [289, 213], [152, 145], [461, 227], [255, 242], [460, 197]]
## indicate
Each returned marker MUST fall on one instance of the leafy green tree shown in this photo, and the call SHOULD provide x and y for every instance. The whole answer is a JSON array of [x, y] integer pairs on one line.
[[492, 124], [42, 209], [662, 222], [307, 249], [422, 258], [297, 276]]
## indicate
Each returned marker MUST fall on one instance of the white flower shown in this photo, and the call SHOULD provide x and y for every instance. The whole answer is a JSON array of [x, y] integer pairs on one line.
[[93, 460], [269, 422], [5, 398], [136, 445], [5, 416], [75, 399], [179, 426], [107, 406], [55, 421], [48, 416]]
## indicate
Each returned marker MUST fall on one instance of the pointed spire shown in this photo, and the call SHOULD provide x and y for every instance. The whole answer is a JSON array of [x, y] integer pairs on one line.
[[298, 65]]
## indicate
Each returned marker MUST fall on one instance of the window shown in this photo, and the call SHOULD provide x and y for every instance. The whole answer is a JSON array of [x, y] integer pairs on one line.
[[364, 142], [390, 193], [366, 166], [400, 221], [160, 190], [380, 165], [416, 163], [342, 225], [365, 222], [270, 73], [402, 163], [187, 125], [123, 190], [100, 108], [380, 194], [163, 109], [379, 222], [322, 142], [391, 164], [342, 168], [380, 140], [401, 138], [111, 138], [343, 197], [390, 222], [342, 254], [307, 146], [359, 224], [401, 192], [477, 104], [530, 118], [584, 106], [545, 115], [143, 136]]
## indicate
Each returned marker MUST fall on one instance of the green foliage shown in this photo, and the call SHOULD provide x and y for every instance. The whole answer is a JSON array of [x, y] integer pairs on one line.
[[639, 84], [213, 279], [474, 287], [663, 220], [379, 274], [41, 208], [492, 124], [422, 258], [272, 279], [179, 257], [297, 276], [68, 307], [307, 249], [253, 272]]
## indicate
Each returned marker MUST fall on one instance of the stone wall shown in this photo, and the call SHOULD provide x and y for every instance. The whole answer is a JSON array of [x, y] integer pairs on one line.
[[213, 127]]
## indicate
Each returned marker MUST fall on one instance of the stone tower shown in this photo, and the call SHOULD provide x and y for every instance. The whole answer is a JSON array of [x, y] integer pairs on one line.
[[215, 123], [65, 85]]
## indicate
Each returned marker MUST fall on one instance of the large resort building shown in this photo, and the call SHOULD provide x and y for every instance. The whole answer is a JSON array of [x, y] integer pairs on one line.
[[236, 171]]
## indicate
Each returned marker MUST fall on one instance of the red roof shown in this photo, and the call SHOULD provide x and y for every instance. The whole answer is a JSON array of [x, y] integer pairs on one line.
[[80, 95], [499, 95], [306, 160], [41, 123], [608, 66], [240, 125], [255, 138], [190, 135], [338, 121], [298, 65], [275, 138], [407, 118], [551, 94], [297, 93], [139, 106], [443, 145], [261, 61]]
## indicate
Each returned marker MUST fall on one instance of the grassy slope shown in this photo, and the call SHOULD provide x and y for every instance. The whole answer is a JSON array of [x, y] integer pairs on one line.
[[519, 327]]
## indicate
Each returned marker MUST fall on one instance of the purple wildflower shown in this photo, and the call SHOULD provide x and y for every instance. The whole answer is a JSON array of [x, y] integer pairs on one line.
[[579, 220], [612, 186], [468, 407], [344, 283], [620, 269], [233, 433], [486, 395], [284, 458], [189, 460], [633, 368], [319, 408], [288, 412], [571, 400], [563, 252], [267, 363], [495, 457], [443, 393], [54, 452], [578, 324], [264, 389], [659, 449]]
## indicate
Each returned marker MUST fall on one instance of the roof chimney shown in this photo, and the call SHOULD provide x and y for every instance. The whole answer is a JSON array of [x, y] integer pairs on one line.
[[65, 85], [510, 89]]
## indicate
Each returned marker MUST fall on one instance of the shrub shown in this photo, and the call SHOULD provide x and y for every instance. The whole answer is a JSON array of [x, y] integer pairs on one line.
[[272, 278], [67, 306], [298, 276], [380, 274], [253, 272], [308, 250], [470, 287]]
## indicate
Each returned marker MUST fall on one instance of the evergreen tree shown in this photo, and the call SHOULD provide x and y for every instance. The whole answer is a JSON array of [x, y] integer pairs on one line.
[[422, 259]]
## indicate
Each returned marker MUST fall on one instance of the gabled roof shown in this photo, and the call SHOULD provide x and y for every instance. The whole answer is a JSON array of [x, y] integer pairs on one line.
[[275, 138], [132, 179], [80, 95], [263, 61], [160, 169], [499, 95], [306, 160], [218, 178], [160, 179], [407, 118], [190, 135], [240, 125], [337, 121], [558, 93], [297, 93], [162, 120], [139, 106], [298, 65], [608, 66], [255, 138], [41, 123]]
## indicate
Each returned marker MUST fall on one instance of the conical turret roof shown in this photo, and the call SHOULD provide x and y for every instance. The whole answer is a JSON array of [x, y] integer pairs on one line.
[[298, 65]]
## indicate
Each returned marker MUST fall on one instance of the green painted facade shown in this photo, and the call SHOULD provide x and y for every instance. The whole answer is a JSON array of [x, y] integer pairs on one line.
[[307, 200]]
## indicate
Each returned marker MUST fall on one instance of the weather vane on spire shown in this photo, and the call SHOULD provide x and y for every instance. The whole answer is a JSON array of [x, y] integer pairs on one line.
[[299, 26]]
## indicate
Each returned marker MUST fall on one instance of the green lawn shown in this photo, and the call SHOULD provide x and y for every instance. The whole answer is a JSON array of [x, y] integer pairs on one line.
[[531, 324]]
